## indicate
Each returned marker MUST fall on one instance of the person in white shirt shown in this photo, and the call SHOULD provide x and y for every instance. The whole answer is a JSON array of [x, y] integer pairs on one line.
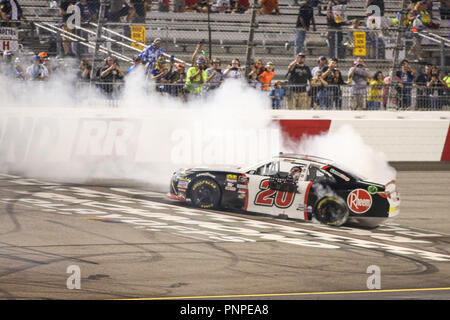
[[37, 71], [234, 71], [322, 62]]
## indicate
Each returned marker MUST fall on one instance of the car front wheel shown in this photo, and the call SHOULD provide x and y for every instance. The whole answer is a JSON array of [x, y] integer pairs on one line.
[[331, 211], [205, 194]]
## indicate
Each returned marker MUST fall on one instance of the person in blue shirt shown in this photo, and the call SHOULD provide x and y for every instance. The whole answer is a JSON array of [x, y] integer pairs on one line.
[[150, 54], [136, 63], [276, 94]]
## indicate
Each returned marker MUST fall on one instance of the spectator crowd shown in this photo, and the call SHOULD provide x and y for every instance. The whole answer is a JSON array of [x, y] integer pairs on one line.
[[323, 86]]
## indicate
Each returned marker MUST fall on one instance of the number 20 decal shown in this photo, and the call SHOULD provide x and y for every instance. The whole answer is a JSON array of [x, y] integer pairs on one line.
[[268, 197]]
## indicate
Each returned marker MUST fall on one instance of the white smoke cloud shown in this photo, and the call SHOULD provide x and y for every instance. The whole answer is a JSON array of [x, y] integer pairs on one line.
[[346, 147], [51, 131]]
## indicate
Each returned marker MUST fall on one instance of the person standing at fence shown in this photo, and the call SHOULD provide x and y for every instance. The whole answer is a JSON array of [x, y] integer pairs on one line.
[[276, 95], [37, 71], [321, 63], [137, 63], [196, 77], [422, 96], [375, 87], [267, 76], [437, 87], [299, 74], [110, 74], [406, 74], [84, 71], [214, 75], [151, 53], [357, 78], [234, 71], [176, 80], [333, 76], [319, 92], [304, 19]]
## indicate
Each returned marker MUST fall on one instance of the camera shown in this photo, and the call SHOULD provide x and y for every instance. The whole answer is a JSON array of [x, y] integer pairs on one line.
[[234, 69], [202, 67], [359, 66]]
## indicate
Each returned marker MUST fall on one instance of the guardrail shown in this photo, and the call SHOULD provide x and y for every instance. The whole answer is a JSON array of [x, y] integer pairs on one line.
[[287, 96]]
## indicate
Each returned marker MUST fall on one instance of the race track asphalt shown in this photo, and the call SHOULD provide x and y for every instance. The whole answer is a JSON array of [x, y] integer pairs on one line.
[[131, 243]]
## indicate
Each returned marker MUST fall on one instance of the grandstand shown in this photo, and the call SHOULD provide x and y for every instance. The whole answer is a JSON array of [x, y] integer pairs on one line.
[[181, 32]]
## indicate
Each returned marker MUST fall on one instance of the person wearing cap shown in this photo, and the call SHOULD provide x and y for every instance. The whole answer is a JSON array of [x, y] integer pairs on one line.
[[176, 80], [304, 19], [214, 74], [321, 63], [151, 53], [43, 55], [137, 62], [267, 76], [196, 77], [37, 71], [299, 75]]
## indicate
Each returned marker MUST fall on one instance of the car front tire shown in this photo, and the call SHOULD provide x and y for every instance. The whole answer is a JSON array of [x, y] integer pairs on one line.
[[331, 211], [205, 194]]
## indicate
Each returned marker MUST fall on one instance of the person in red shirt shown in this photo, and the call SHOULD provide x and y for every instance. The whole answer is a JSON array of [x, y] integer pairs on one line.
[[241, 6], [269, 7]]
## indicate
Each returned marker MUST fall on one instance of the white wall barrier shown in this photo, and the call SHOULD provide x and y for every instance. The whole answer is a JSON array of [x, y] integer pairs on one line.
[[119, 140]]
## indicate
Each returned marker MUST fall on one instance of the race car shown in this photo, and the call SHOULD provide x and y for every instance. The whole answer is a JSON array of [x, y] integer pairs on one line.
[[291, 186]]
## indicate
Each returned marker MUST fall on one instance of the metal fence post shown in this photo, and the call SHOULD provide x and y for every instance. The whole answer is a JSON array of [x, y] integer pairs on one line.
[[250, 39], [101, 18]]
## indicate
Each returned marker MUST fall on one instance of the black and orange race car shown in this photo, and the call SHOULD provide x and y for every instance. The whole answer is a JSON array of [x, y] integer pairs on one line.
[[292, 186]]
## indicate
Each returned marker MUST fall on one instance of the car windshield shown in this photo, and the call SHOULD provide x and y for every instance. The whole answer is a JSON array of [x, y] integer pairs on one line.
[[350, 172], [268, 169]]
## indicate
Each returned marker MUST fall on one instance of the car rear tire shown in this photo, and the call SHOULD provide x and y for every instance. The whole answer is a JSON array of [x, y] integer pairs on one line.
[[331, 211], [205, 194]]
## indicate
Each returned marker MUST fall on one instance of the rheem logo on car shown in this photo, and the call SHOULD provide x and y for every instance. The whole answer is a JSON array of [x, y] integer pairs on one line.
[[359, 201]]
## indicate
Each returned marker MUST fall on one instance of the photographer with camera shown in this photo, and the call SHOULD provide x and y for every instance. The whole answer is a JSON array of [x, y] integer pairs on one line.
[[234, 71], [110, 73], [84, 71], [214, 74], [436, 88], [196, 77], [358, 76]]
